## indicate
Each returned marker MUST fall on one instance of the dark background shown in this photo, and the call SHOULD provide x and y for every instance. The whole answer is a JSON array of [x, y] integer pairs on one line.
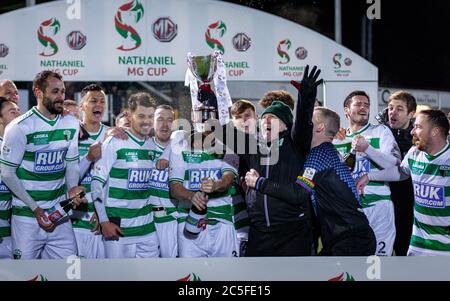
[[411, 41]]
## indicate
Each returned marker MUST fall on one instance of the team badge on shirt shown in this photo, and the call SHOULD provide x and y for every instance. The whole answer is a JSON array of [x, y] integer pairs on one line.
[[444, 170], [6, 150], [67, 135], [309, 173]]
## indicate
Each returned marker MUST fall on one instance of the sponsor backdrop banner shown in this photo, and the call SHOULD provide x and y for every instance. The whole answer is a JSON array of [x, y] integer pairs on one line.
[[231, 269], [147, 40]]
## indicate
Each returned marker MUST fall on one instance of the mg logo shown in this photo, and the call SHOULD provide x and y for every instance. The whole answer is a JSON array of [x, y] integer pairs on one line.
[[76, 40], [348, 61], [164, 30], [241, 42], [4, 50], [301, 53]]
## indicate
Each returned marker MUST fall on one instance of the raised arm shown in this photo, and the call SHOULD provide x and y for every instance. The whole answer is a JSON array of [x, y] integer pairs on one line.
[[301, 131]]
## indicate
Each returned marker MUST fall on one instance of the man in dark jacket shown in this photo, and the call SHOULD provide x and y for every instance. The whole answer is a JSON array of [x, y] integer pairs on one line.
[[398, 116], [279, 212], [345, 229]]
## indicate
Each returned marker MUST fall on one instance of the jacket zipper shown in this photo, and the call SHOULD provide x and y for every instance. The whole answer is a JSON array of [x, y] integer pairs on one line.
[[266, 210]]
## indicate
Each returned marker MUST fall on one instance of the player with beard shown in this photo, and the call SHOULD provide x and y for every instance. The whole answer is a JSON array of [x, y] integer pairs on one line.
[[375, 148], [164, 207], [39, 163], [121, 186], [427, 162]]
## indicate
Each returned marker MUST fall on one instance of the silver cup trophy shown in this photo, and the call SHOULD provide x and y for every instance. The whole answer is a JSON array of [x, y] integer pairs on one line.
[[203, 69]]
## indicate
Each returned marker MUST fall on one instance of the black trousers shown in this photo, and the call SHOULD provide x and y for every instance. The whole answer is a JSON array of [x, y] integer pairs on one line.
[[403, 198], [285, 240], [362, 243]]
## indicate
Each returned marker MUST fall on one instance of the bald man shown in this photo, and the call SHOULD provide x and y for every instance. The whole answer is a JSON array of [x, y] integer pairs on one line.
[[9, 90]]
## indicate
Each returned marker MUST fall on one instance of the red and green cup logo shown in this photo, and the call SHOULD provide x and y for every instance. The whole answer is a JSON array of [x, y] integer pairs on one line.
[[218, 28], [343, 277], [337, 60], [46, 32], [284, 44], [126, 17], [38, 278], [190, 277]]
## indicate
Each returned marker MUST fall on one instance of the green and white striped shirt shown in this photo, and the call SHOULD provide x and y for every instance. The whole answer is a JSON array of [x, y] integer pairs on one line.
[[431, 183], [188, 168], [40, 149], [381, 139], [5, 207], [83, 213], [124, 169], [159, 182]]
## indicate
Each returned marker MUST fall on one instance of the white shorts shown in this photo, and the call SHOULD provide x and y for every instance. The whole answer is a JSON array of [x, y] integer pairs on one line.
[[382, 220], [217, 240], [89, 245], [5, 248], [147, 248], [30, 241], [168, 238]]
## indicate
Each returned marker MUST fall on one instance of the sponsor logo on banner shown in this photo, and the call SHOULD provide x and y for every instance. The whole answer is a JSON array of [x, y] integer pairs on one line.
[[301, 53], [287, 68], [340, 70], [282, 48], [164, 29], [63, 67], [46, 32], [143, 66], [431, 196], [218, 28], [196, 176], [49, 161], [127, 16], [190, 277], [342, 277], [236, 68], [4, 50], [76, 40], [241, 42], [348, 61], [139, 178], [159, 179]]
